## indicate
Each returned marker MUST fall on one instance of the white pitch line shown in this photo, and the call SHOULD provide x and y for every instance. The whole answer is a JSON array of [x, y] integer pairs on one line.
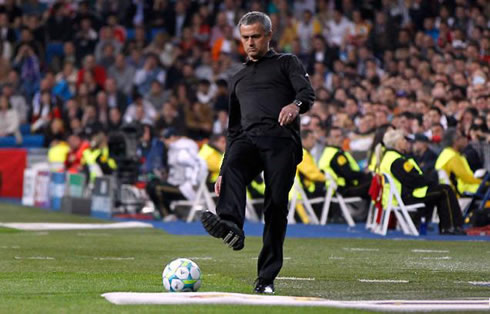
[[35, 257], [479, 283], [383, 281], [114, 258], [36, 226], [10, 247], [295, 278], [360, 249], [430, 251], [81, 234], [284, 258], [203, 258], [336, 258], [439, 258]]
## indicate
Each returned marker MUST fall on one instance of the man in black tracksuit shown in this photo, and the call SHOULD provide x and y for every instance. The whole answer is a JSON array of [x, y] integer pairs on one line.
[[266, 97]]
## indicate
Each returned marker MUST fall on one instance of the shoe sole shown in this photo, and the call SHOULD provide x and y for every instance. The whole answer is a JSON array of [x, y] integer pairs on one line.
[[230, 234]]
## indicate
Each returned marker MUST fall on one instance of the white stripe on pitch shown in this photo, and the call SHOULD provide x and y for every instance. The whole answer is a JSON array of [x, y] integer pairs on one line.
[[114, 258], [295, 278], [430, 251], [360, 249], [35, 257], [383, 281], [439, 258]]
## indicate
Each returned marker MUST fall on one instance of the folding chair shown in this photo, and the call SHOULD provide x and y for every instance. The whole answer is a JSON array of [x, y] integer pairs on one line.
[[205, 199], [398, 207], [333, 196], [297, 190]]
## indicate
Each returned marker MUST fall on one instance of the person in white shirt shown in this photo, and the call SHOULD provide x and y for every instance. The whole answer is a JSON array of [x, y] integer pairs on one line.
[[338, 28]]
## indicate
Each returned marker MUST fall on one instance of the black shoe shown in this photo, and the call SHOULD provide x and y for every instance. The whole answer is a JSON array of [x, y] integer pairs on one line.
[[264, 287], [223, 229]]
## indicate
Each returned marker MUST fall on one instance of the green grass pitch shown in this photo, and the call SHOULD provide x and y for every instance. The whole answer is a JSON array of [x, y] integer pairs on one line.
[[67, 271]]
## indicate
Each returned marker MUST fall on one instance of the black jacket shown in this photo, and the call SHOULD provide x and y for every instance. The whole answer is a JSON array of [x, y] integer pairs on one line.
[[260, 90]]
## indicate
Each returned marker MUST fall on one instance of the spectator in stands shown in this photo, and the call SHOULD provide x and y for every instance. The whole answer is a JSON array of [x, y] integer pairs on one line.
[[157, 95], [115, 119], [199, 120], [98, 73], [17, 101], [106, 39], [27, 63], [115, 97], [85, 39], [145, 76], [123, 73], [9, 120], [140, 110], [6, 32]]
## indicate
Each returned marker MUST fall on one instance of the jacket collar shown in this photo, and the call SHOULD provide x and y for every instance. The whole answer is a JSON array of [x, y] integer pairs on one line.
[[269, 54]]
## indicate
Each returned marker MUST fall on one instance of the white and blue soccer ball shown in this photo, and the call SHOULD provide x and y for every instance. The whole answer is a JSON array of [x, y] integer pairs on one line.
[[182, 275]]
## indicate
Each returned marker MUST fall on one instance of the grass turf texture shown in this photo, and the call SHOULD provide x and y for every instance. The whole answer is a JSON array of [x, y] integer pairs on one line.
[[75, 277]]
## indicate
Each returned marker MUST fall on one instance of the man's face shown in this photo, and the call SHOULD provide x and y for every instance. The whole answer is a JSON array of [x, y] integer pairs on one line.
[[335, 138], [419, 147], [309, 141], [255, 40]]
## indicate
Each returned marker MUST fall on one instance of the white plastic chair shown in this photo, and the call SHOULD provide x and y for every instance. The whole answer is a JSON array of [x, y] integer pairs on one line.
[[333, 196], [297, 189], [401, 211], [204, 200]]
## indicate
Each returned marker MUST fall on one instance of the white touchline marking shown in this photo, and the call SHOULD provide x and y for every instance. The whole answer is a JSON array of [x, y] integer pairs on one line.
[[383, 280], [360, 249], [81, 234], [114, 258], [480, 283], [430, 251], [439, 258], [336, 257], [36, 226], [10, 247], [295, 278], [284, 258], [204, 258], [35, 257]]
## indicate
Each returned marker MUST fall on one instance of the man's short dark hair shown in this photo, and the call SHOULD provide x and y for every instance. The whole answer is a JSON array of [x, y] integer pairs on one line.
[[449, 137], [434, 108], [256, 17], [333, 128]]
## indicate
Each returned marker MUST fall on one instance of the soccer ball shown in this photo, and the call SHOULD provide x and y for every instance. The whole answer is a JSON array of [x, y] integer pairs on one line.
[[181, 275]]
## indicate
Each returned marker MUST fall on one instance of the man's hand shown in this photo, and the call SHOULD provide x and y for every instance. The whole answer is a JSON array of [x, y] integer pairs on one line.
[[217, 185], [288, 114]]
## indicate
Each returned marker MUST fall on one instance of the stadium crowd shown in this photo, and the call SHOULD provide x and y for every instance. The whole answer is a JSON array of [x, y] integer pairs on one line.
[[75, 71]]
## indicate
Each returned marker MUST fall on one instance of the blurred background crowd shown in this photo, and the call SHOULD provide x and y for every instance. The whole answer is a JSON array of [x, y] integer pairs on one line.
[[78, 70]]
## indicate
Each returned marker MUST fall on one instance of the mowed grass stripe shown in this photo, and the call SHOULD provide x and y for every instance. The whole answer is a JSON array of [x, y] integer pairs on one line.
[[74, 280]]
